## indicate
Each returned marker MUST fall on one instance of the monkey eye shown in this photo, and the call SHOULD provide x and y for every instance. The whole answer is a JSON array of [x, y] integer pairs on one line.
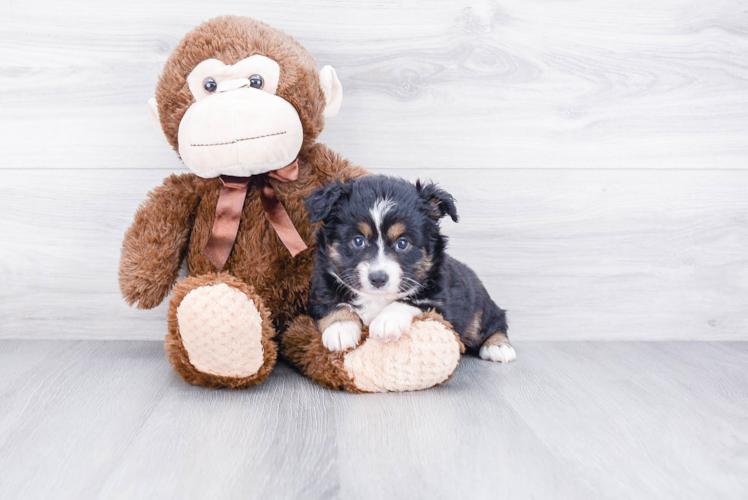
[[256, 82], [210, 85]]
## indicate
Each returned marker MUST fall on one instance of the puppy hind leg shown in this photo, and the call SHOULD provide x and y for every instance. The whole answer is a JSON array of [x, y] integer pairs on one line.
[[497, 348]]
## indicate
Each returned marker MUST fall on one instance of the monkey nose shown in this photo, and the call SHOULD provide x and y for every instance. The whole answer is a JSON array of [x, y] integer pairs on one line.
[[378, 279], [234, 84]]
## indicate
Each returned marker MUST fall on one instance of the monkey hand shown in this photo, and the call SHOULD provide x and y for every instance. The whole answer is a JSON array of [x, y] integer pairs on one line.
[[146, 293]]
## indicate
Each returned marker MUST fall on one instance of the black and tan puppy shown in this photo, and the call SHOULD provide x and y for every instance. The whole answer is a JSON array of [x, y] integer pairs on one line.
[[381, 262]]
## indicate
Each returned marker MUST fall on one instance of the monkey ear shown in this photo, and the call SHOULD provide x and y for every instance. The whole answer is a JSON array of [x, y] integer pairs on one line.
[[153, 107], [438, 201], [333, 90], [320, 203]]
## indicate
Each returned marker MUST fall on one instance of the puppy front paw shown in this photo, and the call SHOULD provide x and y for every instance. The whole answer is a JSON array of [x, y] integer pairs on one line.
[[393, 322], [341, 335], [503, 353]]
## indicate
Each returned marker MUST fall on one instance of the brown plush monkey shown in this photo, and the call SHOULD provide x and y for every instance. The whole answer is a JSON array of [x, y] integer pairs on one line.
[[243, 104]]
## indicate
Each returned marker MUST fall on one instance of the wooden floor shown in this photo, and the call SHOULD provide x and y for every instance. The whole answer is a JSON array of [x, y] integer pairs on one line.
[[109, 419]]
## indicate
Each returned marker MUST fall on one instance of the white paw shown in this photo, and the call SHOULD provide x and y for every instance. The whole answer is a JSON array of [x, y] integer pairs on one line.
[[341, 336], [393, 322], [499, 353]]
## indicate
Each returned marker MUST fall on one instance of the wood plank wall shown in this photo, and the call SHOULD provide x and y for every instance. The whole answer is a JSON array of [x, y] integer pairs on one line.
[[598, 150]]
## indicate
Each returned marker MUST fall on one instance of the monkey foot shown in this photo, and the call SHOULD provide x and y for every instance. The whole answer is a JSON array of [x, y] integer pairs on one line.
[[424, 357], [220, 335]]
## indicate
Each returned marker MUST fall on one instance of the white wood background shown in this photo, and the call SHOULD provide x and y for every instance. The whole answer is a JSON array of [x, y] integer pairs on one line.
[[598, 150]]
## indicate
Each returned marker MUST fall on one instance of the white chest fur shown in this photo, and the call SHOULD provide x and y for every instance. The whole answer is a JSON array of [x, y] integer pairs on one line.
[[369, 306]]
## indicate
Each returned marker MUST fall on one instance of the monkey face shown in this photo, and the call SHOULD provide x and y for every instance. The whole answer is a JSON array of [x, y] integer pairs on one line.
[[240, 98], [237, 125]]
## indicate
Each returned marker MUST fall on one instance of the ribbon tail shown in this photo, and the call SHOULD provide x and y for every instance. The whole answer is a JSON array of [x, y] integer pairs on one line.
[[280, 220], [226, 223]]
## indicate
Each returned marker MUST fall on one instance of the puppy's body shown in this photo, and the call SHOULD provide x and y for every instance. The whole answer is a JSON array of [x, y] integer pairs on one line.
[[381, 262], [462, 299]]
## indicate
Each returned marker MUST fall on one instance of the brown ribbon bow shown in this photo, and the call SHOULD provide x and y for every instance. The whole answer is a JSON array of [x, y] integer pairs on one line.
[[229, 212]]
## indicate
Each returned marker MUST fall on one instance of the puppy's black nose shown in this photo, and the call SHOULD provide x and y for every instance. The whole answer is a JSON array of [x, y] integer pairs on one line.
[[378, 279]]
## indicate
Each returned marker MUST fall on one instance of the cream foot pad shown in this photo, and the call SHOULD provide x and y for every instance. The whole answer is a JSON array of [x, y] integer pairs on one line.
[[221, 331], [422, 358]]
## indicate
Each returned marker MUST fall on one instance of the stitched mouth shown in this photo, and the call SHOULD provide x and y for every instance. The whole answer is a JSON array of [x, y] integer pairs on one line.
[[237, 140]]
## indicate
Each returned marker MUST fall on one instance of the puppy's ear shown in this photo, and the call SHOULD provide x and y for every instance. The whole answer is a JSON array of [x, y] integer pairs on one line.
[[320, 203], [438, 201]]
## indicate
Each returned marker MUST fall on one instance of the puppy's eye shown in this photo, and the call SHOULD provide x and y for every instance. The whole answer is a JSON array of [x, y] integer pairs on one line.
[[256, 82], [358, 242], [402, 244], [209, 85]]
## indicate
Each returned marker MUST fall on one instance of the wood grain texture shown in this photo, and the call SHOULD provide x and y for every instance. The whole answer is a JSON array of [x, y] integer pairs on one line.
[[509, 84], [602, 420], [572, 254], [598, 152]]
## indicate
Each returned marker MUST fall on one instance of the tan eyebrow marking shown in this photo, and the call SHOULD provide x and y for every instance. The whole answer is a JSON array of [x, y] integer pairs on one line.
[[395, 231], [365, 229]]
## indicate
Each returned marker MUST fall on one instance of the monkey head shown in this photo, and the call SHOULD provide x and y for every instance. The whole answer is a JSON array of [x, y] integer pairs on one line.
[[240, 98]]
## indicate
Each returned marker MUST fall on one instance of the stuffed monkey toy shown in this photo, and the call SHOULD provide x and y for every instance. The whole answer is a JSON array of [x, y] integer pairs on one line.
[[243, 104]]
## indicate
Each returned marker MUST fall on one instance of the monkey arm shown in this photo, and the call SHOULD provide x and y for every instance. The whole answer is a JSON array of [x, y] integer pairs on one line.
[[156, 242]]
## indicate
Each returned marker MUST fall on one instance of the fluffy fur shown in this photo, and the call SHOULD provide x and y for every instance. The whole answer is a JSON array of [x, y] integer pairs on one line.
[[174, 223], [374, 366], [178, 355], [302, 346], [151, 256], [231, 39], [381, 254]]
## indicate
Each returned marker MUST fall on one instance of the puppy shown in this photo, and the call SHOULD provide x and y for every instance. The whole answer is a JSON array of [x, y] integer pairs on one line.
[[381, 262]]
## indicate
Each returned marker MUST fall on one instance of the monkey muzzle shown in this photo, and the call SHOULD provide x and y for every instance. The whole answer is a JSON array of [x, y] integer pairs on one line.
[[239, 131]]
